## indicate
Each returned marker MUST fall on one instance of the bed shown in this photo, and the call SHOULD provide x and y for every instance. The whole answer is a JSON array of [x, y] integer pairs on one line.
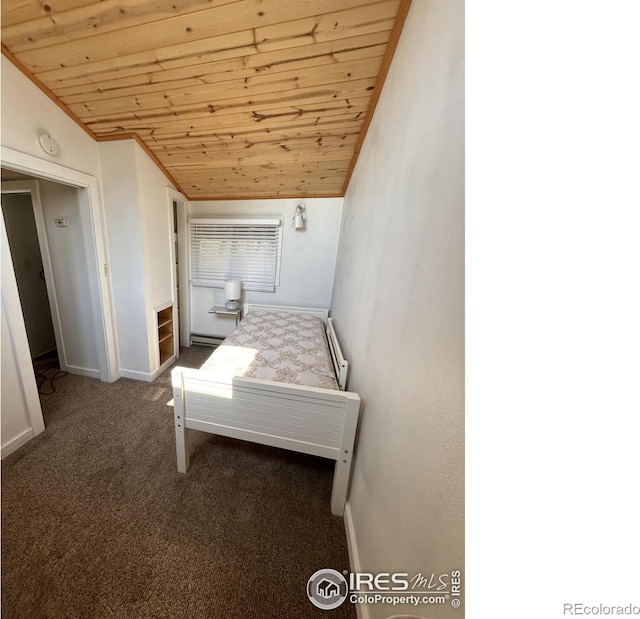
[[276, 380]]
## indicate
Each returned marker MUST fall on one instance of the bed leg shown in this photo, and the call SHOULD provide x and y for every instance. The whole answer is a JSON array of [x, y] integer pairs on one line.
[[182, 439], [340, 485], [342, 474], [182, 448]]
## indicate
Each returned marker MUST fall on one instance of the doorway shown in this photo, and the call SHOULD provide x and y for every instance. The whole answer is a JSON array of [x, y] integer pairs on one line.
[[176, 266], [33, 288], [178, 214], [58, 212], [87, 284], [22, 234]]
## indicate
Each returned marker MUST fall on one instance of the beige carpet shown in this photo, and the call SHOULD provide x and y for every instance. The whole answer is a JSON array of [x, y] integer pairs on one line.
[[97, 522]]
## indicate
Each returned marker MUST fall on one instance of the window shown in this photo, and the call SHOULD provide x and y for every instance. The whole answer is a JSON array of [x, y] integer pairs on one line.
[[244, 249]]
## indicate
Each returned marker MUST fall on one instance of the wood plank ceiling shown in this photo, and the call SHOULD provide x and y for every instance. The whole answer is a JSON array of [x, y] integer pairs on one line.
[[234, 98]]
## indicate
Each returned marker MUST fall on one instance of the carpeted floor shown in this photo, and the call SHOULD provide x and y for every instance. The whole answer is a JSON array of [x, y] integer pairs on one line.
[[97, 522]]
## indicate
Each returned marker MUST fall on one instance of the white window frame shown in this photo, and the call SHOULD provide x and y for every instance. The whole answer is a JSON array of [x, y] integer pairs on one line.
[[244, 221]]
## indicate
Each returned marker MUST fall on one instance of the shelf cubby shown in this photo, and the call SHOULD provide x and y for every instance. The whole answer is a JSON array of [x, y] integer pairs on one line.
[[164, 321]]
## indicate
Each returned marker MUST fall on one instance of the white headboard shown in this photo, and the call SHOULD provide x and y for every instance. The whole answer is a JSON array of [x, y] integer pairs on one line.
[[320, 313]]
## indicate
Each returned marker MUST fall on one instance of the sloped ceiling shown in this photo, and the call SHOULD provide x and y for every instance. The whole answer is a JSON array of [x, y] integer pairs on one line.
[[234, 98]]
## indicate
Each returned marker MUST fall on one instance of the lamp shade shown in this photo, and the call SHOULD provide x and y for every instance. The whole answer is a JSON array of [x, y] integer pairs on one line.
[[232, 292], [232, 289]]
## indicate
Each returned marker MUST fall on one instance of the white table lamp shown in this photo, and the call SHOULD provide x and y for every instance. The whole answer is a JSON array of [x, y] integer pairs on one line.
[[232, 292]]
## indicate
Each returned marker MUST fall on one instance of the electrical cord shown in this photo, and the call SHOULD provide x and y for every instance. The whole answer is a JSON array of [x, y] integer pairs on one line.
[[48, 376]]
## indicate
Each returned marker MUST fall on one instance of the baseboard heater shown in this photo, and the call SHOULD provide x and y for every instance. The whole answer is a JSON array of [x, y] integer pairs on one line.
[[206, 340]]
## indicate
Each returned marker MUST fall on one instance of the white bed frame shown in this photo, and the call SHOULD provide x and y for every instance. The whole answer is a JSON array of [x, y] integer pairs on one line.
[[320, 422]]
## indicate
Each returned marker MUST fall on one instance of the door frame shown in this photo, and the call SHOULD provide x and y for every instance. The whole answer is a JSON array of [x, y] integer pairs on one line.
[[94, 233], [184, 326]]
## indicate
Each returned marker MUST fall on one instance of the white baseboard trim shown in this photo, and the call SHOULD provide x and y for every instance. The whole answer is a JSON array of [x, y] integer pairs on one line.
[[15, 443], [113, 377], [42, 353], [135, 375], [147, 377], [74, 369], [354, 558]]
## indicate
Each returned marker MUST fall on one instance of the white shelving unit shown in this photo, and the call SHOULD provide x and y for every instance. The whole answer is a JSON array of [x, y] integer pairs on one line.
[[166, 336]]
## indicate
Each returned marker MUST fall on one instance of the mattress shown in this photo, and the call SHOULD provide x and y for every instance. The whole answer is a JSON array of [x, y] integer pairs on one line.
[[278, 346]]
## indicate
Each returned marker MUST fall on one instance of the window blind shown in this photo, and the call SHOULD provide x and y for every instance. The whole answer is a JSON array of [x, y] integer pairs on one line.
[[243, 249]]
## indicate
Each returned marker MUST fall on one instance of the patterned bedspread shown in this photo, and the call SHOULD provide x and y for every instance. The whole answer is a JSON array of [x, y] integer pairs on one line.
[[278, 346]]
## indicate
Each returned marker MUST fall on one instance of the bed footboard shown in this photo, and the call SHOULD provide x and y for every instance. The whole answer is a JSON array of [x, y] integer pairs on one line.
[[321, 422]]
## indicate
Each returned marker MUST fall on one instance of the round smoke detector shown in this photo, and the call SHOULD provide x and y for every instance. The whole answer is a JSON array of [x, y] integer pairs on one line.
[[48, 144]]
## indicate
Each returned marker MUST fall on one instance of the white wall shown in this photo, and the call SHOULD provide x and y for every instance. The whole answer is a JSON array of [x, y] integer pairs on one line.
[[398, 303], [27, 112], [156, 216], [157, 228], [308, 258], [140, 233], [124, 235]]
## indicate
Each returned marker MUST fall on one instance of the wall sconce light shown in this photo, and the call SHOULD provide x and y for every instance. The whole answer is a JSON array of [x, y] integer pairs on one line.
[[232, 292], [299, 217]]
